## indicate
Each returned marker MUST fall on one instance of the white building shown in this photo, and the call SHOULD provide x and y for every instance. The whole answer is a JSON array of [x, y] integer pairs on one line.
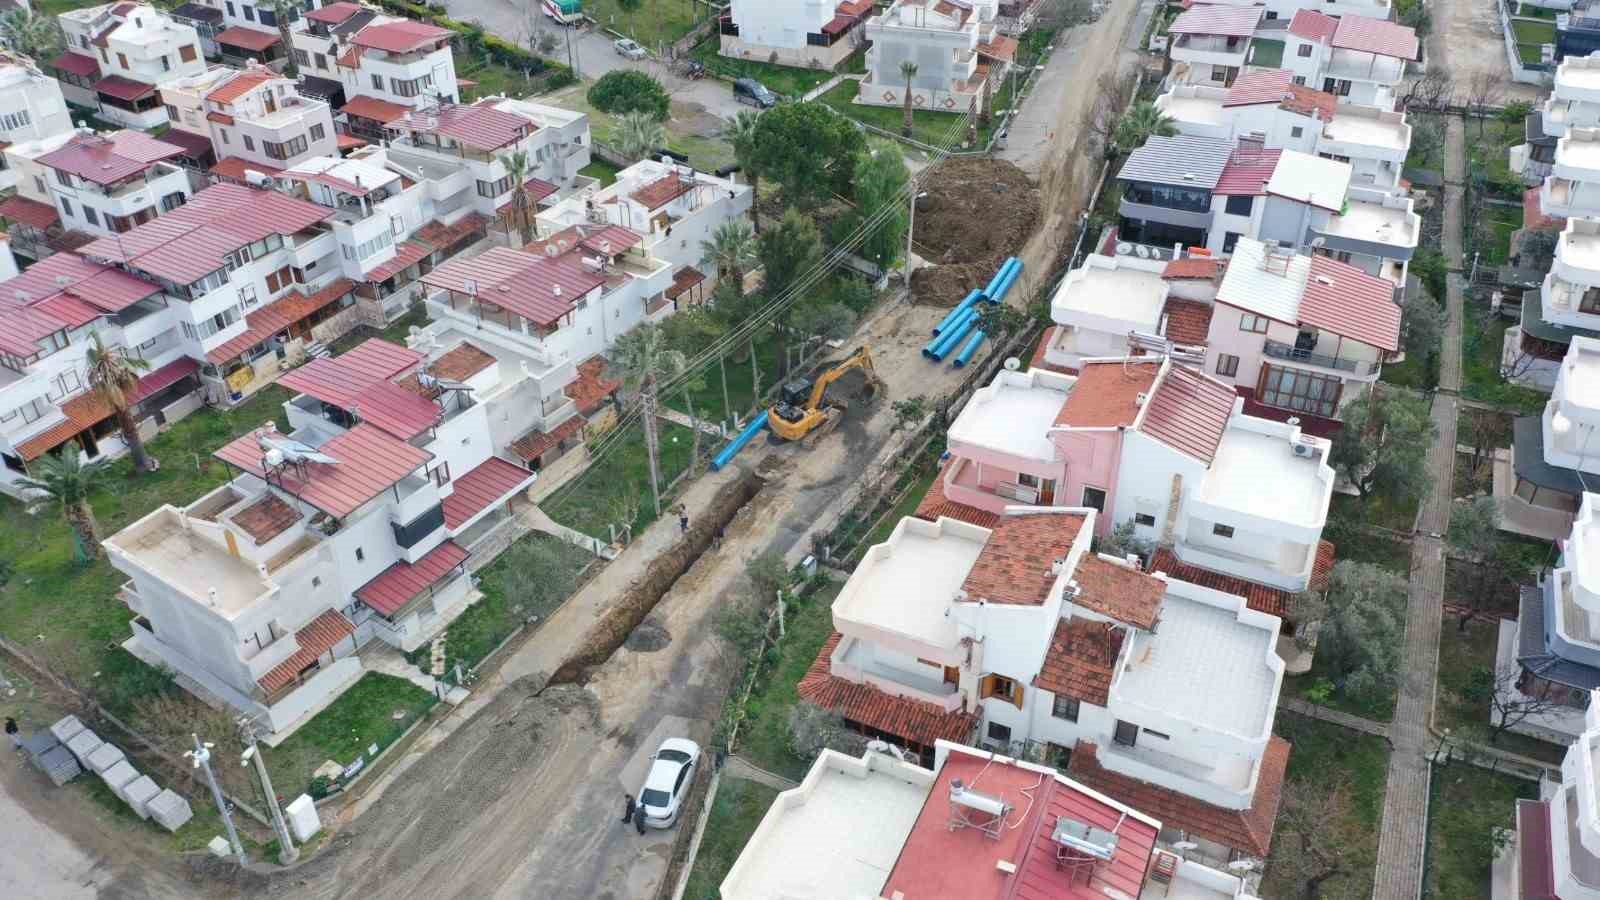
[[31, 105], [1542, 485], [1210, 44], [378, 65], [134, 48], [244, 30], [105, 184], [255, 116], [1556, 852], [31, 219], [672, 207], [352, 526], [1111, 305], [960, 55], [1574, 103], [802, 33], [1019, 633], [1564, 309], [878, 826], [1360, 60]]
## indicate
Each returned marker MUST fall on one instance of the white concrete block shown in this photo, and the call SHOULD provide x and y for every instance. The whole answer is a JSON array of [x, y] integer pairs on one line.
[[139, 792], [169, 809], [119, 776], [219, 847], [65, 728], [301, 814], [84, 743], [104, 757]]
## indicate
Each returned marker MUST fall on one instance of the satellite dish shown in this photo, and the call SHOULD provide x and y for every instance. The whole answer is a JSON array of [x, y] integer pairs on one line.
[[1186, 845], [1141, 251], [1319, 242], [1012, 364], [1124, 248], [1242, 865]]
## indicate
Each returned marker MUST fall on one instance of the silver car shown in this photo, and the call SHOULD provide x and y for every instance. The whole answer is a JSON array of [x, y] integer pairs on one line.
[[629, 49], [671, 772]]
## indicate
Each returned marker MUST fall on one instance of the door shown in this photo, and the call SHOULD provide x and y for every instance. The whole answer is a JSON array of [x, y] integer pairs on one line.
[[1047, 492], [952, 674]]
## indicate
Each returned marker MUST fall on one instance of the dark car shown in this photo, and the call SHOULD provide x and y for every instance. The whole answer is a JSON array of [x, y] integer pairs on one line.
[[753, 92]]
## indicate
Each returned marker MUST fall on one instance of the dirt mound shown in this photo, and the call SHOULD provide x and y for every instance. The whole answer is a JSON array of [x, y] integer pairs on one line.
[[648, 638], [977, 212]]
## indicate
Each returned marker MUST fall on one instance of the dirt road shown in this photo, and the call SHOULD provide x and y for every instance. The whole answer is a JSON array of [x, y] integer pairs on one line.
[[1466, 39]]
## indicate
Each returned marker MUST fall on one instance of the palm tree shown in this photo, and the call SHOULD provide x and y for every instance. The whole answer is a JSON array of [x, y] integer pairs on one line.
[[282, 10], [31, 34], [113, 374], [69, 480], [638, 133], [517, 167], [908, 71], [643, 358], [630, 7], [742, 134], [731, 250], [1139, 124]]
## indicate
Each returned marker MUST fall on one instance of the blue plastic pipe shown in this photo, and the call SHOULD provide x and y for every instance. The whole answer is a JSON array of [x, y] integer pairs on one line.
[[961, 307], [999, 275], [956, 324], [948, 344], [1006, 282], [734, 446], [966, 353]]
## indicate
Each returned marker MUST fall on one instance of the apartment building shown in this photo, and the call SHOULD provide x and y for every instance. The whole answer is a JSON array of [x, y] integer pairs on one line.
[[31, 105], [253, 118], [32, 223], [374, 67], [672, 207], [1566, 306], [134, 49], [1266, 105], [1211, 44], [104, 184], [1574, 103], [207, 22], [244, 31], [353, 526], [1358, 59], [959, 52], [1283, 11], [1015, 634], [1111, 306], [975, 824], [1297, 336], [802, 33], [1556, 849], [1541, 487]]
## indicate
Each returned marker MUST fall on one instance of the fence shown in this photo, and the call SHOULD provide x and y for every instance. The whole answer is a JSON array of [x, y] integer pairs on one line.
[[1540, 73]]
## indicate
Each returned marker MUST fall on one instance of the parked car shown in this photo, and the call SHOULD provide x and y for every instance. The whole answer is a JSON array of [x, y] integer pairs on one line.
[[754, 93], [671, 771], [628, 49]]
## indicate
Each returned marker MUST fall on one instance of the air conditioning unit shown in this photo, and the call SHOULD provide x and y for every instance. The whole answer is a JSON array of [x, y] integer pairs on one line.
[[1304, 449]]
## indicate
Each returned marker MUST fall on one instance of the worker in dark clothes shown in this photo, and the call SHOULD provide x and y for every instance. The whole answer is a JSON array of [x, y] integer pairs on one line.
[[627, 809], [13, 733], [683, 519], [638, 822]]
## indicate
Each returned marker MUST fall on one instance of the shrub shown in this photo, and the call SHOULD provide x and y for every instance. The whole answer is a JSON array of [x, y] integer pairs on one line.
[[626, 90]]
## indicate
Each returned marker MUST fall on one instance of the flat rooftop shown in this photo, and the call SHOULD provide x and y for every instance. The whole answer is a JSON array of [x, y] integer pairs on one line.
[[1199, 110], [1124, 295], [1580, 248], [1376, 223], [1259, 474], [1013, 414], [1579, 73], [906, 584], [1205, 666], [1579, 149], [841, 841], [1369, 130], [189, 562]]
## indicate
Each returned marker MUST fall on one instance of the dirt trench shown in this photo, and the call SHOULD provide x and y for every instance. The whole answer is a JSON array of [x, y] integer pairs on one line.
[[643, 594]]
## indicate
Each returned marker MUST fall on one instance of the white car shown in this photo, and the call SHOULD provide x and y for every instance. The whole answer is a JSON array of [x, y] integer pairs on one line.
[[671, 772], [628, 49]]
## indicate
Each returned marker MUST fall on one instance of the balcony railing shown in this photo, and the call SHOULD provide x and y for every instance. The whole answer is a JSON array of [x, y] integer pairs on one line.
[[1280, 350]]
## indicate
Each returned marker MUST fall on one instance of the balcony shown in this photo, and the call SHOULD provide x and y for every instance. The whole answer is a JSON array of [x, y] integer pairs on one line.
[[1353, 65], [1228, 784], [1291, 571], [1565, 198], [853, 660], [1291, 353], [1210, 49]]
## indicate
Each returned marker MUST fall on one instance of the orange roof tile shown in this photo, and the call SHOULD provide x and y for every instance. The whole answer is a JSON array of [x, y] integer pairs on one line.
[[935, 504], [591, 387], [662, 191], [318, 637], [1014, 565], [1081, 660], [537, 443], [915, 721], [266, 518], [241, 84], [1119, 592], [1188, 321], [1193, 267], [1106, 395], [1258, 597], [461, 363]]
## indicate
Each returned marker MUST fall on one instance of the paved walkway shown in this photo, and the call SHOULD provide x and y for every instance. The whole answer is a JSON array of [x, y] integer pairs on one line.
[[1402, 843], [1342, 719]]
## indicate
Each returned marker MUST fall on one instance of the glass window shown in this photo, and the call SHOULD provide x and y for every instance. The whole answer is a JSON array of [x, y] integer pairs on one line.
[[318, 132], [66, 206], [90, 216], [1000, 734], [1144, 520], [249, 144], [1253, 323], [1094, 498], [1227, 364], [1127, 733], [1065, 708], [187, 53], [1307, 392], [377, 81], [1240, 205], [1296, 131], [1303, 51], [1222, 531]]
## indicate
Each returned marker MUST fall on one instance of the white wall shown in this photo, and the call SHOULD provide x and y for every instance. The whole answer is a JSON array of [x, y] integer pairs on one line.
[[1145, 481]]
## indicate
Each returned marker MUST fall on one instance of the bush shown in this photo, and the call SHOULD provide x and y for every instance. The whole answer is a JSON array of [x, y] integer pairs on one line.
[[625, 90]]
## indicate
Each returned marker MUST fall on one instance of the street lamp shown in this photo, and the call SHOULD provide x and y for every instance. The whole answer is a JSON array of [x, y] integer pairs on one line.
[[911, 229], [200, 758], [287, 852]]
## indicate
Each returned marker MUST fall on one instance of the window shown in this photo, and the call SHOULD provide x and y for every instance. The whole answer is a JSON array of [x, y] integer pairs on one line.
[[122, 60], [317, 132], [494, 188], [166, 64], [1065, 708], [231, 10], [410, 88], [249, 13], [66, 207], [1222, 531], [1000, 734], [1300, 80], [1307, 392], [267, 18], [1336, 86], [367, 248], [277, 281], [1256, 324], [1230, 240], [1303, 51], [1240, 205], [1094, 498], [1144, 520], [249, 144], [63, 178], [377, 81], [187, 53], [1127, 733], [286, 150], [1169, 196], [224, 133], [1000, 687], [441, 475], [1227, 364], [90, 216], [321, 60], [1296, 131], [39, 185], [302, 57], [316, 581], [247, 295], [14, 120], [172, 201], [1156, 734], [360, 555]]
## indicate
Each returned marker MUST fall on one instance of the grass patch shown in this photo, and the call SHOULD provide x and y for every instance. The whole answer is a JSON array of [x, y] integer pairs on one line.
[[375, 711], [789, 81], [764, 739], [1385, 512], [57, 7], [1461, 651], [1418, 371], [660, 22], [589, 503], [1466, 802], [1534, 12], [602, 170], [1531, 32], [706, 152], [1503, 222], [739, 808], [1482, 338], [1323, 752], [481, 628], [928, 126], [1266, 53], [495, 79], [1529, 54]]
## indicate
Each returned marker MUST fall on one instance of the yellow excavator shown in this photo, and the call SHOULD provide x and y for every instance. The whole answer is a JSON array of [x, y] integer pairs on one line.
[[804, 411]]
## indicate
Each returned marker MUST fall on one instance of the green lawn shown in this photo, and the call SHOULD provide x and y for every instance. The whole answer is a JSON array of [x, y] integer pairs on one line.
[[1467, 802], [655, 23], [787, 81], [1324, 757], [1535, 12], [492, 619], [375, 710], [57, 7], [395, 332], [928, 127], [587, 504], [1382, 511], [1418, 372], [1503, 220], [494, 79], [738, 809], [1266, 53], [1529, 54], [1459, 653], [1481, 343], [599, 168], [1534, 32], [764, 737]]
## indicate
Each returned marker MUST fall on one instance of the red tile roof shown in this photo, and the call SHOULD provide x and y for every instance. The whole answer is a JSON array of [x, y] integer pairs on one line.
[[348, 141], [248, 38], [1313, 26], [399, 584], [234, 167], [1255, 86], [108, 159], [591, 388], [241, 84], [1227, 21], [77, 64], [381, 111], [333, 13], [1304, 100], [1081, 660], [194, 146], [537, 189], [1347, 301], [1188, 321], [481, 127], [1193, 267], [854, 7], [441, 236], [318, 637], [101, 286], [401, 36], [266, 518], [611, 240], [370, 462], [934, 504], [1258, 597], [491, 482], [662, 191], [1248, 830], [1106, 395], [68, 310], [88, 409], [539, 289], [123, 88], [378, 358], [683, 280], [406, 255], [377, 401], [463, 361], [1377, 36], [1247, 172], [1015, 563], [1533, 213], [537, 443], [1188, 412], [1119, 592], [999, 47], [36, 213], [275, 317], [916, 721]]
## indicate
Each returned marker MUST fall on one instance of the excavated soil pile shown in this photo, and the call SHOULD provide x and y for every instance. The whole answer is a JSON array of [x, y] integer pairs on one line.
[[641, 597], [977, 213]]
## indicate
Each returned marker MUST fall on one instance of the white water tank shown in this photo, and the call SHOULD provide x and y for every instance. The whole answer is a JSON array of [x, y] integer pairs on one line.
[[301, 814]]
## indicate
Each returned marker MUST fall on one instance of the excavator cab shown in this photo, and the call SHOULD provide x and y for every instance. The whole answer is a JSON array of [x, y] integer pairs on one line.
[[804, 411], [792, 399]]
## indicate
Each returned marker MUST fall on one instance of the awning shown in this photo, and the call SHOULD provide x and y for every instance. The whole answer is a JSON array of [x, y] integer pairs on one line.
[[20, 209], [349, 142], [490, 483], [839, 24], [684, 279], [76, 64], [402, 582], [1527, 442], [123, 88], [408, 254], [442, 237], [380, 111], [88, 409], [234, 167], [276, 316], [318, 86], [248, 38], [194, 146], [537, 443], [318, 637]]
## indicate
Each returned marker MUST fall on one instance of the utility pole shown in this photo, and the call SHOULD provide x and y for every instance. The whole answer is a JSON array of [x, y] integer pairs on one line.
[[200, 758], [911, 229], [287, 852]]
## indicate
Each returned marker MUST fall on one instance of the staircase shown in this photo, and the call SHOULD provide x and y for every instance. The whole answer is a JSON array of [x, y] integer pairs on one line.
[[317, 350]]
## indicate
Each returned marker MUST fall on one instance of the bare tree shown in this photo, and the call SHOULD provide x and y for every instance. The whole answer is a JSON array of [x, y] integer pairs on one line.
[[1485, 431], [1508, 705], [813, 729], [1312, 846], [1485, 88], [1111, 94], [1432, 91]]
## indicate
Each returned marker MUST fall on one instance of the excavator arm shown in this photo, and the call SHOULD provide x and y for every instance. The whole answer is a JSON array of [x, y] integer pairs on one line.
[[861, 359]]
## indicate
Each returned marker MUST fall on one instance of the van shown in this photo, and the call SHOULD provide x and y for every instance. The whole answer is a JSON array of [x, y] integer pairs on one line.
[[754, 93]]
